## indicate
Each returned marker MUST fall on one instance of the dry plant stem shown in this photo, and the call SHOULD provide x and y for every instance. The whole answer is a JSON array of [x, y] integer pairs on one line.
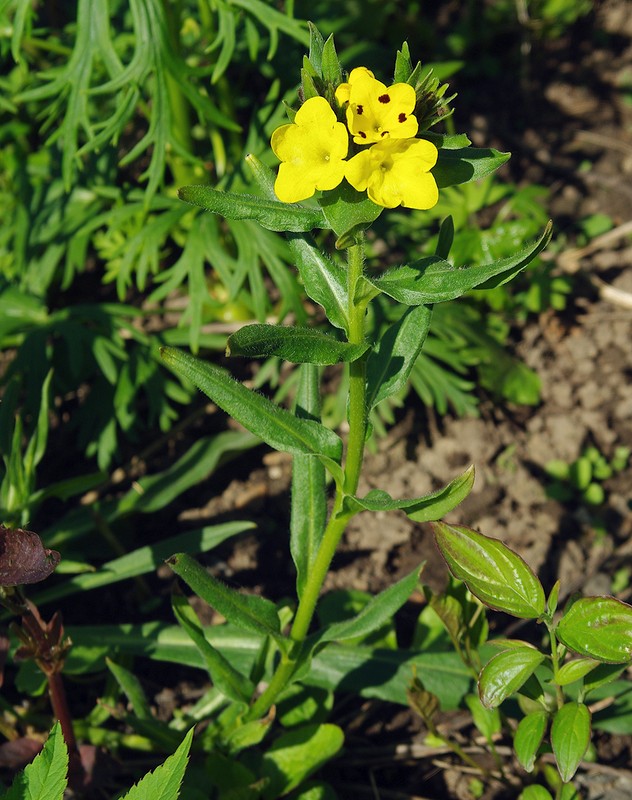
[[358, 416]]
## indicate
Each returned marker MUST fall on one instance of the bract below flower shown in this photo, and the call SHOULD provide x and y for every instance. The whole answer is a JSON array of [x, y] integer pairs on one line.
[[375, 112], [396, 172], [311, 149]]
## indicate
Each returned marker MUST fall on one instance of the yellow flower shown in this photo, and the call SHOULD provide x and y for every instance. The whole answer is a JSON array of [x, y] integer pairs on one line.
[[396, 172], [311, 149], [374, 112]]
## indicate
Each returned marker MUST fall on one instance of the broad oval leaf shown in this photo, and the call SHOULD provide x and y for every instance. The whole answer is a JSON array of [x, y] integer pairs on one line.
[[427, 508], [535, 793], [528, 738], [270, 214], [248, 612], [575, 670], [598, 627], [570, 737], [276, 426], [493, 573], [434, 280], [298, 345], [505, 673], [465, 164], [23, 557]]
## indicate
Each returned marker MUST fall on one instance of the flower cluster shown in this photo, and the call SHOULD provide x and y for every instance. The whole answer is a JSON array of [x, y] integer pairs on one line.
[[394, 169]]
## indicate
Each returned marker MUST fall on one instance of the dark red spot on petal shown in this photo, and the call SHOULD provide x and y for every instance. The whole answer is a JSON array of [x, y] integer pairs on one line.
[[384, 98], [383, 134], [362, 134], [402, 118], [359, 109]]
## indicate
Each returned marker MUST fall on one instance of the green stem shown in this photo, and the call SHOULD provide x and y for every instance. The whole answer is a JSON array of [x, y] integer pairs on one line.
[[559, 692], [338, 519]]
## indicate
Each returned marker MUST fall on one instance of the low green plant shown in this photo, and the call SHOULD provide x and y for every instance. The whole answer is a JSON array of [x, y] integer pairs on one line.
[[273, 666], [582, 480]]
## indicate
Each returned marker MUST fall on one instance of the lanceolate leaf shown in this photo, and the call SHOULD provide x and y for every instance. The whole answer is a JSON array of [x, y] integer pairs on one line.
[[225, 677], [390, 363], [492, 572], [378, 610], [45, 778], [248, 612], [323, 279], [598, 627], [570, 737], [298, 345], [433, 280], [428, 508], [276, 426], [270, 214], [309, 495], [466, 164], [505, 673]]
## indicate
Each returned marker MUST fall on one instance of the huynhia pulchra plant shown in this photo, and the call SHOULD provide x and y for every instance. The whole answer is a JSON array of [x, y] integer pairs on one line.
[[354, 148]]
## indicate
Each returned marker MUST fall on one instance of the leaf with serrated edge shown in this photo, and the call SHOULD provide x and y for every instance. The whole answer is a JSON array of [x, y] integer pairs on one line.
[[570, 737], [45, 778], [276, 426], [598, 627], [528, 737], [491, 571], [505, 673], [164, 782]]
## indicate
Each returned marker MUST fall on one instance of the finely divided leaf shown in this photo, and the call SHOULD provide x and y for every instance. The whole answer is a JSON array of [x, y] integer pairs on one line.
[[434, 280], [164, 782], [45, 778], [276, 426], [246, 611], [270, 214], [298, 345], [492, 572]]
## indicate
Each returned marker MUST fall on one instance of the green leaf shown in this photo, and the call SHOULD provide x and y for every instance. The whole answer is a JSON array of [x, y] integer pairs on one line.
[[249, 612], [298, 345], [535, 793], [348, 212], [316, 46], [45, 777], [462, 165], [132, 688], [528, 738], [332, 71], [570, 737], [492, 572], [276, 426], [598, 627], [309, 494], [294, 756], [223, 674], [505, 673], [575, 670], [390, 363], [164, 782], [486, 720], [433, 280], [323, 279], [428, 508], [403, 65], [376, 613], [270, 214]]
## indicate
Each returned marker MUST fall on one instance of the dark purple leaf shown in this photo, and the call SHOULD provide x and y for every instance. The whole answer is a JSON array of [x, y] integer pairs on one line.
[[23, 557]]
